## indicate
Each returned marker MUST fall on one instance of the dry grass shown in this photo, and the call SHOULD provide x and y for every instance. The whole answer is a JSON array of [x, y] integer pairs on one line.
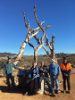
[[70, 59], [26, 61]]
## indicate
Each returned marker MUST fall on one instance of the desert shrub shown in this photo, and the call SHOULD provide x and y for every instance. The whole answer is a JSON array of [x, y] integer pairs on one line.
[[26, 61]]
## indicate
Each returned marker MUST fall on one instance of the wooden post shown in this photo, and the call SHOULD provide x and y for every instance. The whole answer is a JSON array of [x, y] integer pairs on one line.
[[42, 88]]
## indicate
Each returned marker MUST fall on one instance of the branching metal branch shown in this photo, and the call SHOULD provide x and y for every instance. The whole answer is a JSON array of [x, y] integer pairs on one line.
[[25, 19], [41, 29], [38, 27], [32, 35], [39, 23], [34, 32]]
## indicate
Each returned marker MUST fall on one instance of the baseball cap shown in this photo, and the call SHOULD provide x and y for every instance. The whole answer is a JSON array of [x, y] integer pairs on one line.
[[52, 60]]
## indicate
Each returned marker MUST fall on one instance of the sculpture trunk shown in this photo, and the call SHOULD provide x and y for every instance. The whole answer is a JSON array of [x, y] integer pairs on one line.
[[33, 33], [35, 56], [21, 52]]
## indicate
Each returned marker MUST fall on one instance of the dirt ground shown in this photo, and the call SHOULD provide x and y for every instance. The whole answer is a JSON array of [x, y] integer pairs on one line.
[[18, 93]]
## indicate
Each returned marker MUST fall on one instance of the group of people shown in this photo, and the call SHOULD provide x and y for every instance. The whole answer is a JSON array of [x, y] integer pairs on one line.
[[41, 73]]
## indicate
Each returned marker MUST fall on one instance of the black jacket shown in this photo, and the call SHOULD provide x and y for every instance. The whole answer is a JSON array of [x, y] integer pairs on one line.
[[44, 72]]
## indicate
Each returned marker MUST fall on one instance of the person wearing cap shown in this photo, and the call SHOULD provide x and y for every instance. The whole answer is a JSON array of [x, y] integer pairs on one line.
[[54, 71], [66, 71], [8, 71]]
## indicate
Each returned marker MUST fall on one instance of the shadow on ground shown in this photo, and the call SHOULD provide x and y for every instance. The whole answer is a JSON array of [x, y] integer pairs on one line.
[[1, 76], [17, 90]]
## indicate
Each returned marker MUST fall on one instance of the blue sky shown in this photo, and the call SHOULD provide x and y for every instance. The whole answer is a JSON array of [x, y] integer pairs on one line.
[[59, 13]]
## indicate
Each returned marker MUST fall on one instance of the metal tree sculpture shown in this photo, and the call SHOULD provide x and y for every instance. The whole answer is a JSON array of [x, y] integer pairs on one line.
[[51, 45], [34, 32]]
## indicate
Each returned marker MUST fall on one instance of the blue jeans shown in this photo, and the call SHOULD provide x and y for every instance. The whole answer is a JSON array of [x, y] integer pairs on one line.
[[54, 79], [47, 81], [40, 80], [34, 86]]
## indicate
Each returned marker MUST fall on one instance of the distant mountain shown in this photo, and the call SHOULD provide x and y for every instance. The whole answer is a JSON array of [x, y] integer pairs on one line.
[[5, 54]]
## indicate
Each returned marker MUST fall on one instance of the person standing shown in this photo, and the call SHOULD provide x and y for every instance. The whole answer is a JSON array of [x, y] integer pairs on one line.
[[54, 71], [8, 71], [66, 71], [33, 76]]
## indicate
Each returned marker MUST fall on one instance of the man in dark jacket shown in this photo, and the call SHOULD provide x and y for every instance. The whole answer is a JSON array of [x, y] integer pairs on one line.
[[8, 71], [43, 75], [66, 70], [33, 76]]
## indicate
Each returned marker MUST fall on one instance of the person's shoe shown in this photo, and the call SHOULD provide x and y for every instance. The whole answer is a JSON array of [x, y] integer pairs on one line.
[[57, 91], [53, 93], [64, 91], [69, 91], [26, 93]]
